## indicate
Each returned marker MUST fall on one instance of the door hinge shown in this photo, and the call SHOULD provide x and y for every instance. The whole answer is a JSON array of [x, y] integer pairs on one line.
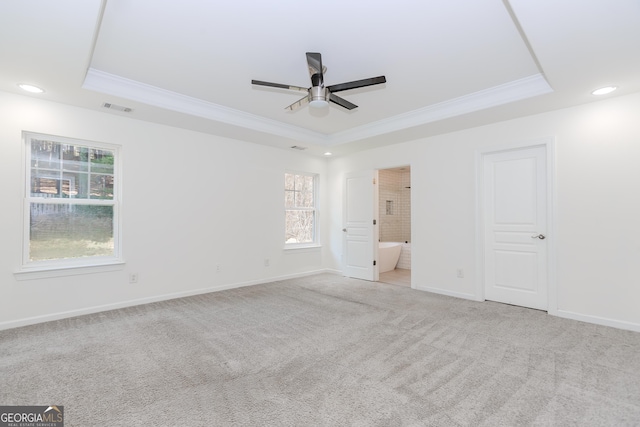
[[374, 222], [374, 181], [374, 262]]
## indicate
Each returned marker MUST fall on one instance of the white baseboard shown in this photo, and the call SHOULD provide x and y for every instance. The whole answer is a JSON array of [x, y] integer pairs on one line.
[[620, 324], [130, 303], [447, 292]]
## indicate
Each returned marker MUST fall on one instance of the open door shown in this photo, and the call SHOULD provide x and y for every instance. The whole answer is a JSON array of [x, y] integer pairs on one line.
[[360, 228]]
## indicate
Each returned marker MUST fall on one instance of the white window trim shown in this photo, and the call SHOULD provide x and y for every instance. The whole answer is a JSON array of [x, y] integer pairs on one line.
[[65, 267], [302, 246], [316, 223], [45, 273]]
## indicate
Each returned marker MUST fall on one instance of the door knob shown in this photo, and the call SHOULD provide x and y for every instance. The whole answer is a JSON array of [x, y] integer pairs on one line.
[[344, 229], [539, 236]]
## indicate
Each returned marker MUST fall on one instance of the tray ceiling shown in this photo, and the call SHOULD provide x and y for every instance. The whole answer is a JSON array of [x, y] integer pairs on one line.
[[449, 64]]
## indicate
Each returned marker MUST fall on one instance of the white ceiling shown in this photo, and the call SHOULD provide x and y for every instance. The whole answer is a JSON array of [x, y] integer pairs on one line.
[[449, 64]]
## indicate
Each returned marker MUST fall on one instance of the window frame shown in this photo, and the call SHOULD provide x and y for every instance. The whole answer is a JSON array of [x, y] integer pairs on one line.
[[80, 264], [314, 209]]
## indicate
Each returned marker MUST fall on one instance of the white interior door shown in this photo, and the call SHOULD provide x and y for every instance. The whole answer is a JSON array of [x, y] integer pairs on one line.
[[360, 233], [515, 227]]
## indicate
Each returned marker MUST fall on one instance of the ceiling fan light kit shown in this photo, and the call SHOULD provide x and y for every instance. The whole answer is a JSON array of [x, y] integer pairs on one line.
[[319, 96]]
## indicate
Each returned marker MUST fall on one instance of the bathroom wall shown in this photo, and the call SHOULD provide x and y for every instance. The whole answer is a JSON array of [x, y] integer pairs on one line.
[[394, 210]]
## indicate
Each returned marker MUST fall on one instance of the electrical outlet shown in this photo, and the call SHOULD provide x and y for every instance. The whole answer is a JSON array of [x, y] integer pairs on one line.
[[266, 262], [133, 278], [460, 273], [217, 268]]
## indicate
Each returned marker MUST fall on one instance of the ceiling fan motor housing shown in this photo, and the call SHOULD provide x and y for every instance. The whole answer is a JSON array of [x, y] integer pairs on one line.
[[318, 96]]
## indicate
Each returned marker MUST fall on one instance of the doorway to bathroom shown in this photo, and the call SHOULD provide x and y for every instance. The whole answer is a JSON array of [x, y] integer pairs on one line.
[[394, 231]]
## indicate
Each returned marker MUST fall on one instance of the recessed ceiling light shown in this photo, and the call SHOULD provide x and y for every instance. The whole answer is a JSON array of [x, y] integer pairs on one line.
[[30, 88], [604, 90], [328, 153]]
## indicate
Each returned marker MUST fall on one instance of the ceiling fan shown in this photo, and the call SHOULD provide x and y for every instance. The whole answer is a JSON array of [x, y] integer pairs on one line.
[[319, 95]]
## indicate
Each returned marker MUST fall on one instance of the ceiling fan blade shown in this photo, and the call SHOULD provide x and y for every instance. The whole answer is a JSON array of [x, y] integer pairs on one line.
[[316, 70], [299, 103], [357, 83], [314, 60], [342, 102], [278, 85]]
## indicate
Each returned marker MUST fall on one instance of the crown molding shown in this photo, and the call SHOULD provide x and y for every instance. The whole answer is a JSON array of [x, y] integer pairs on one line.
[[516, 90], [114, 85]]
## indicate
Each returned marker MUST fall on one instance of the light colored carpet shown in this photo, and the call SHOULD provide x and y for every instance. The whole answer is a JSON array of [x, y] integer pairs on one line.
[[324, 351]]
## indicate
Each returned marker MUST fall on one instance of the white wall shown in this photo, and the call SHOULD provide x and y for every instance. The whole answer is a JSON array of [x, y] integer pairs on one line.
[[223, 205], [598, 205], [190, 201]]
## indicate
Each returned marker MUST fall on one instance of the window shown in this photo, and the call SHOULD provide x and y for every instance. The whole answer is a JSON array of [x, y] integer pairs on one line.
[[300, 209], [71, 202]]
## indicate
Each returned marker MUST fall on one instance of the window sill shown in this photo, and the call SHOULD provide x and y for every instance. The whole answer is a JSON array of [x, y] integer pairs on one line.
[[312, 247], [42, 272]]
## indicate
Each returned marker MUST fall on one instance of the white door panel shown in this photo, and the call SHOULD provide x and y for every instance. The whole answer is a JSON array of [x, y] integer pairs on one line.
[[360, 247], [515, 214], [514, 183], [516, 270]]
